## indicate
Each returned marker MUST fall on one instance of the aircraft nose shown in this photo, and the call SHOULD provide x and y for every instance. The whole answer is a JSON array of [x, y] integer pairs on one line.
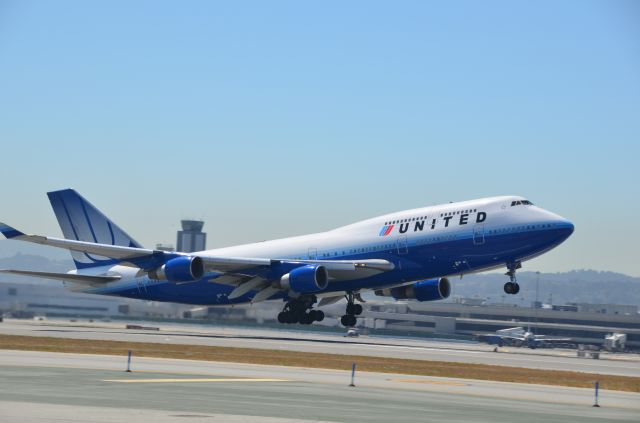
[[564, 228], [570, 227]]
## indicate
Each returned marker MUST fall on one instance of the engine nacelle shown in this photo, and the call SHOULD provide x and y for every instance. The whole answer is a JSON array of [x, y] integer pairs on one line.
[[180, 269], [429, 290], [306, 279]]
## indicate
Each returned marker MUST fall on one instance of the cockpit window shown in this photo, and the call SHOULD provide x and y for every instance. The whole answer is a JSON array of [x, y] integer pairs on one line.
[[521, 202]]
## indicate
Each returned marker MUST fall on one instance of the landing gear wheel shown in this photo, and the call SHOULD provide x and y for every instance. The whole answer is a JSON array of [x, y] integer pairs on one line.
[[348, 320], [355, 309], [317, 315], [295, 311], [291, 318], [511, 288], [306, 319]]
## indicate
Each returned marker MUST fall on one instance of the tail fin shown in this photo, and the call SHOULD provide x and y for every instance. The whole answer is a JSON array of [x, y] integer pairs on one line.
[[81, 221]]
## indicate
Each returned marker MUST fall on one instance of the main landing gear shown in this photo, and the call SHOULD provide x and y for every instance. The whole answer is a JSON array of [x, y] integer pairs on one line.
[[353, 310], [512, 286], [295, 311]]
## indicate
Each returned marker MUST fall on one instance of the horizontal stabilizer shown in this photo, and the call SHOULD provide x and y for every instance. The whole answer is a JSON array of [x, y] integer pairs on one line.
[[9, 232], [63, 276]]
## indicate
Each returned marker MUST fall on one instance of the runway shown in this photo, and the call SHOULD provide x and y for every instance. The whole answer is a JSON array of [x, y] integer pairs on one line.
[[52, 387], [291, 340]]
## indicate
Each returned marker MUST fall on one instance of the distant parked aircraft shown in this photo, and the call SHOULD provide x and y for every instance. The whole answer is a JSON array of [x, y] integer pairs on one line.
[[518, 337]]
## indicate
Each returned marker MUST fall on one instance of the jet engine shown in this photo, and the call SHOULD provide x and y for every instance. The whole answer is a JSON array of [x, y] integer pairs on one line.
[[306, 279], [180, 269], [429, 290]]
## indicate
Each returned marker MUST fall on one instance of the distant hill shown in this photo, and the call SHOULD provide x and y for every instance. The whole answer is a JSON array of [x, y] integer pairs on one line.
[[9, 248], [580, 286]]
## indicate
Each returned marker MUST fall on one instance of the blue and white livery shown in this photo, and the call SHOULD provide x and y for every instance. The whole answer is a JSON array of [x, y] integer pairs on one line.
[[408, 254]]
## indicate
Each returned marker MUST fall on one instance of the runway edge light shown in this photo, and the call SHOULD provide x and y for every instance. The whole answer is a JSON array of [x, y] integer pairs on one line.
[[353, 375], [129, 362], [597, 388]]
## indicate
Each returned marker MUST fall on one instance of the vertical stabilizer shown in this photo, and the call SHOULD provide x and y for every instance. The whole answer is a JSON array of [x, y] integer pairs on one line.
[[81, 221]]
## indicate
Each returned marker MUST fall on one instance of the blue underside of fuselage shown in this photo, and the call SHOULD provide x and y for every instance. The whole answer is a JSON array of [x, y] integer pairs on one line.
[[465, 254]]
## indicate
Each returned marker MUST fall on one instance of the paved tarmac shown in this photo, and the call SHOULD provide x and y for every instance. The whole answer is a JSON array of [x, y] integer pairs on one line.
[[305, 341], [43, 387]]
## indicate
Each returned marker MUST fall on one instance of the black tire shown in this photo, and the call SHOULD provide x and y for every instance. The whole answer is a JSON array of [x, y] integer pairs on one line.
[[352, 320], [300, 317], [282, 317], [508, 288], [345, 320], [348, 320], [306, 319], [319, 315], [354, 309], [516, 288], [350, 308]]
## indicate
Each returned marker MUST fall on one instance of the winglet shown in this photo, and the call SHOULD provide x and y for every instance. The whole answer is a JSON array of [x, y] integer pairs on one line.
[[9, 232]]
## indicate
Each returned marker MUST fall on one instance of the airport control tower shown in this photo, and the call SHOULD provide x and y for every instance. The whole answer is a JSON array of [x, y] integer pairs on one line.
[[191, 238]]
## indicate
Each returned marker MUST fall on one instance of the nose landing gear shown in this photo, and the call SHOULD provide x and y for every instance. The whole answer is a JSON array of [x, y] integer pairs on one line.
[[295, 311], [512, 286], [353, 310]]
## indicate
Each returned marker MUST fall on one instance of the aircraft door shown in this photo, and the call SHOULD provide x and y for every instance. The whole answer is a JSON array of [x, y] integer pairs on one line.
[[402, 245], [478, 234], [313, 254]]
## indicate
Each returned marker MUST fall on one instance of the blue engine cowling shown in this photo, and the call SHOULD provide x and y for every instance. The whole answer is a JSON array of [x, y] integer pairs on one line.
[[306, 279], [180, 269], [429, 290]]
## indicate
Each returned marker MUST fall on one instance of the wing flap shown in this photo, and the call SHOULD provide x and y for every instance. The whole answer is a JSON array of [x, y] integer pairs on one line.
[[233, 264]]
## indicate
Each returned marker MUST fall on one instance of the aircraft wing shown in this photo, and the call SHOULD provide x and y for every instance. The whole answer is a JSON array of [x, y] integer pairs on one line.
[[512, 337], [499, 336], [106, 250], [232, 264], [64, 276], [237, 268]]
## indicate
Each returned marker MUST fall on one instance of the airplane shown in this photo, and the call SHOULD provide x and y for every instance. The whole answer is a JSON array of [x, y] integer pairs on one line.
[[404, 255], [518, 337]]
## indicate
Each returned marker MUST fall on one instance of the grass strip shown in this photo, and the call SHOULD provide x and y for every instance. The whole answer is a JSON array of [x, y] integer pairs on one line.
[[322, 360]]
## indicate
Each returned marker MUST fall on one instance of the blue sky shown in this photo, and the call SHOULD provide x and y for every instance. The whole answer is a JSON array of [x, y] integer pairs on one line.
[[270, 119]]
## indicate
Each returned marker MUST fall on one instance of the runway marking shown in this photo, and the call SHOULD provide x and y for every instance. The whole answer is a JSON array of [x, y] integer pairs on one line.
[[429, 382], [198, 380]]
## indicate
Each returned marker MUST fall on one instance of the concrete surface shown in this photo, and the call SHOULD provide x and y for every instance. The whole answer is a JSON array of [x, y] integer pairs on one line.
[[53, 387], [287, 339]]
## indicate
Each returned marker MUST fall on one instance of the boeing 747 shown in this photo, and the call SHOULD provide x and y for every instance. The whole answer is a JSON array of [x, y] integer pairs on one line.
[[404, 255]]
